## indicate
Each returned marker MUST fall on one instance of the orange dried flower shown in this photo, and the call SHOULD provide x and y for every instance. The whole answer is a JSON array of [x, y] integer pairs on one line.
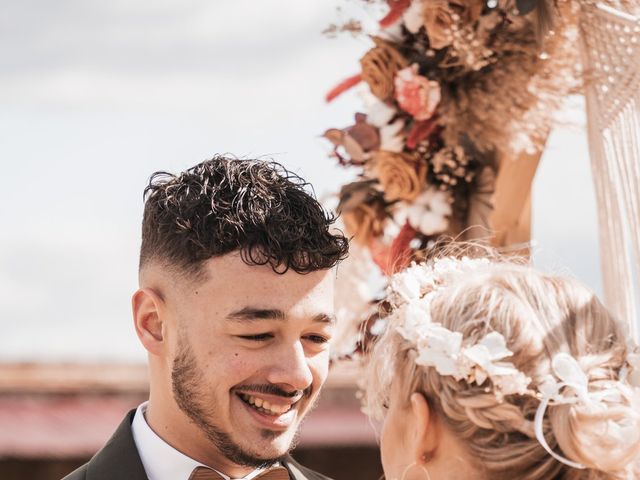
[[438, 21], [441, 17], [365, 222], [363, 211], [401, 175], [379, 67]]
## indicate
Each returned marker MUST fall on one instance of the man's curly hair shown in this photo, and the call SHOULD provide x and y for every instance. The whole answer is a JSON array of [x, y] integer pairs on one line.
[[222, 205]]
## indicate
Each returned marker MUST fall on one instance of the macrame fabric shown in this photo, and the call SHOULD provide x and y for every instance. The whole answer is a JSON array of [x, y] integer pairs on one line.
[[611, 56]]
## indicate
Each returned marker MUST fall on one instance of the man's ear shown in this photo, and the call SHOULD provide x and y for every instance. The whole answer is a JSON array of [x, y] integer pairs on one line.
[[425, 428], [147, 307]]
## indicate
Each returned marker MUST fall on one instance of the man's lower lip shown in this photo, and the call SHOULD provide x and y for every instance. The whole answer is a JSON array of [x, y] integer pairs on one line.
[[280, 422]]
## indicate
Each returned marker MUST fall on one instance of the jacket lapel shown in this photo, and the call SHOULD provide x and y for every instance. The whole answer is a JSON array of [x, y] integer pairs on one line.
[[119, 457], [298, 472]]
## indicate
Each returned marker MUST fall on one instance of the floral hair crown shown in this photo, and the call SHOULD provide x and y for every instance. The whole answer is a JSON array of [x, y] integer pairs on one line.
[[412, 292]]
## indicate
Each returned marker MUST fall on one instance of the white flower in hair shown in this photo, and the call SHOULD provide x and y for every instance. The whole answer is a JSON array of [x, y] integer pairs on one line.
[[445, 268], [409, 284], [414, 319], [441, 348], [406, 286], [486, 356], [569, 384], [570, 374], [492, 347], [513, 383]]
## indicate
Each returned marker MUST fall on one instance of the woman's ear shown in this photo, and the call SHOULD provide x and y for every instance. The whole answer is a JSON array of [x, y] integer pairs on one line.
[[147, 307], [425, 428]]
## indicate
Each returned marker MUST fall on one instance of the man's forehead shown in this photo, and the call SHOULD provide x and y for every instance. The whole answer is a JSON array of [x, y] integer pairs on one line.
[[229, 276], [233, 267]]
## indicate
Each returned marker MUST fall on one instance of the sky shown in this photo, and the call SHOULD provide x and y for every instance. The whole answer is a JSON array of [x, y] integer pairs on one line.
[[96, 96]]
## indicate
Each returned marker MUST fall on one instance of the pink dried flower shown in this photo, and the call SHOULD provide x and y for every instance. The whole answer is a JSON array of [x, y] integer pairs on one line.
[[416, 94]]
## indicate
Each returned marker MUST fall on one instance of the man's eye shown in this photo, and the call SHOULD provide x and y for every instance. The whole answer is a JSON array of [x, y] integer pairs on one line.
[[257, 338], [317, 339]]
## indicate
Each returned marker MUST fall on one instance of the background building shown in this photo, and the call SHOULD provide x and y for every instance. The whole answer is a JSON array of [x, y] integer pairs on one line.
[[54, 417]]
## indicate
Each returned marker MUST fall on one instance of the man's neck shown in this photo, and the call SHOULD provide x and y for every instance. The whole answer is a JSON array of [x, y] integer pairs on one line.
[[177, 429]]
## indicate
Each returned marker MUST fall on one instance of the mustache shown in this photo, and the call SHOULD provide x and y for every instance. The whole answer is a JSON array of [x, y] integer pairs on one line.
[[273, 390]]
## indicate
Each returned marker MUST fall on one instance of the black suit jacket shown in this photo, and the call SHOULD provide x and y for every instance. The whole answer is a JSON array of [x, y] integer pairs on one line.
[[119, 460]]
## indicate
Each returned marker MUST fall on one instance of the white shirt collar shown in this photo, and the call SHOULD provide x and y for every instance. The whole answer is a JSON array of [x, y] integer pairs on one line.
[[160, 460]]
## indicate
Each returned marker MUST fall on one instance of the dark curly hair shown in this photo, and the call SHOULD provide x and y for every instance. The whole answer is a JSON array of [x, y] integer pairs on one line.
[[256, 207]]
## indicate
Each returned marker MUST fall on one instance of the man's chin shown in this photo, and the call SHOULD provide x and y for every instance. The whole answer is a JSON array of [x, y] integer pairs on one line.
[[258, 454], [275, 444], [261, 459], [271, 446]]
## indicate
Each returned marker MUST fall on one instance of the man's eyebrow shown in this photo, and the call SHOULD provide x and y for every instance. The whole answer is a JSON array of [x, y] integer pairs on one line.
[[324, 318], [247, 314], [251, 313]]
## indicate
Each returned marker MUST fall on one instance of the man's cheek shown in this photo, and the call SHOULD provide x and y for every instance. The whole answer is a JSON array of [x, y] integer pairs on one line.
[[234, 369], [320, 368]]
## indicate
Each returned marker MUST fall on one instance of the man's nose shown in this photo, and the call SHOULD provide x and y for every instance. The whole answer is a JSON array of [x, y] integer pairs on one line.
[[290, 368]]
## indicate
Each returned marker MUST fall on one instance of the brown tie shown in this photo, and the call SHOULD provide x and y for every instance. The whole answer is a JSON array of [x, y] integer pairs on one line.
[[275, 473]]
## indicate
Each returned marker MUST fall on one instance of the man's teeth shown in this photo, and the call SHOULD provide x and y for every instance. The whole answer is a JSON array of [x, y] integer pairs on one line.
[[264, 405]]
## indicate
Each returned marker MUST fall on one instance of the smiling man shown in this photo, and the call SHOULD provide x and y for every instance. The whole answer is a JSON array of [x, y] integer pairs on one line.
[[235, 309]]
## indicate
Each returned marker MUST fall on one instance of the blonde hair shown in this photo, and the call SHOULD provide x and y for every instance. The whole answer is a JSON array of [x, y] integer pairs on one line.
[[539, 315]]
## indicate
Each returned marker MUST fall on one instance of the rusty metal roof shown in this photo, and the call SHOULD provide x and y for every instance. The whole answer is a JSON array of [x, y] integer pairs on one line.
[[50, 426], [67, 411]]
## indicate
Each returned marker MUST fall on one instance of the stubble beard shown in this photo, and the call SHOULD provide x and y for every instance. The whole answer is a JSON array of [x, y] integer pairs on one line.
[[186, 380]]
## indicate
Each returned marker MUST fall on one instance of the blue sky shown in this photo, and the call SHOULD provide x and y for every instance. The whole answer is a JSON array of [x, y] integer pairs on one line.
[[95, 96]]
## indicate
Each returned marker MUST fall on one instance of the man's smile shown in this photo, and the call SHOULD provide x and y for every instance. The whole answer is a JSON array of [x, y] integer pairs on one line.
[[273, 407], [274, 413]]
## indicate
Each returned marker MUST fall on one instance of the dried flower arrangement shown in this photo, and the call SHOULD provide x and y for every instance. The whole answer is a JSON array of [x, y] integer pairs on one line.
[[457, 91], [456, 87]]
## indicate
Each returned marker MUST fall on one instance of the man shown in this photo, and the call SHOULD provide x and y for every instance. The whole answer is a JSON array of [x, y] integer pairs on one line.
[[235, 310]]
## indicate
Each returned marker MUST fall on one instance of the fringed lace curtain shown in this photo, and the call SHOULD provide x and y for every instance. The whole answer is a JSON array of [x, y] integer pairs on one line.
[[611, 53]]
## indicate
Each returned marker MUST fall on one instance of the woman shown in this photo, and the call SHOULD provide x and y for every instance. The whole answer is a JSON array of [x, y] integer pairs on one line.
[[488, 369]]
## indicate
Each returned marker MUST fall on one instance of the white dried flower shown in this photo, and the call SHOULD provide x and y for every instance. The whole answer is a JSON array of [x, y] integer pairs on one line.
[[392, 137], [379, 113], [412, 16], [429, 213]]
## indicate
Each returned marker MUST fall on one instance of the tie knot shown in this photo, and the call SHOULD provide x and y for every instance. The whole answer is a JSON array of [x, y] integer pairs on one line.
[[275, 473]]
